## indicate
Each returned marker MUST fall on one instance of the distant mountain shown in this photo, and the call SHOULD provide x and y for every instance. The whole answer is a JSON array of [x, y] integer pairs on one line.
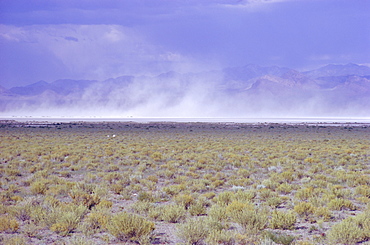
[[337, 81], [32, 89], [62, 86], [251, 71], [67, 86], [339, 70], [121, 81], [356, 85], [247, 91], [3, 90]]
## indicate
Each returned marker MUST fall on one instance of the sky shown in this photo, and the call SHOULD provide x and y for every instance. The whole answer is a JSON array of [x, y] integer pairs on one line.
[[94, 39]]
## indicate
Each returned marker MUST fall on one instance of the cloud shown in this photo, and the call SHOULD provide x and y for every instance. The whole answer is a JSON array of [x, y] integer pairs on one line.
[[321, 57], [95, 51], [71, 39], [99, 39], [252, 5], [127, 13], [15, 34]]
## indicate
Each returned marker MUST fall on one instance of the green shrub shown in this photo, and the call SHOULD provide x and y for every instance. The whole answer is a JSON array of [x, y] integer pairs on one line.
[[285, 188], [193, 231], [40, 215], [304, 194], [304, 208], [142, 207], [209, 195], [184, 200], [197, 209], [279, 238], [274, 202], [62, 218], [116, 188], [345, 232], [244, 196], [145, 196], [236, 207], [283, 220], [64, 228], [66, 218], [286, 176], [86, 199], [96, 221], [224, 198], [174, 189], [8, 224], [266, 194], [220, 237], [39, 186], [156, 213], [218, 212], [364, 200], [363, 221], [217, 225], [249, 217], [104, 204], [341, 204], [153, 178], [363, 190], [173, 213], [22, 212], [323, 212], [339, 192], [130, 227]]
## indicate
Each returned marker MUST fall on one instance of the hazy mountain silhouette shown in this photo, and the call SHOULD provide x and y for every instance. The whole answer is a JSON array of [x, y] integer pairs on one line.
[[342, 89], [339, 70], [3, 90], [62, 86]]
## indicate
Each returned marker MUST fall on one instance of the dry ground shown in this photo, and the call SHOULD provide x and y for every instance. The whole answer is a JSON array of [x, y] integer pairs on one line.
[[172, 173]]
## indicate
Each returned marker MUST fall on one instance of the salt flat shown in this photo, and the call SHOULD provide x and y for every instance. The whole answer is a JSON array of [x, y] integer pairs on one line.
[[339, 121]]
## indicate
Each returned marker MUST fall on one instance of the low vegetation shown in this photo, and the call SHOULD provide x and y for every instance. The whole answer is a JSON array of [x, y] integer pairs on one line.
[[184, 183]]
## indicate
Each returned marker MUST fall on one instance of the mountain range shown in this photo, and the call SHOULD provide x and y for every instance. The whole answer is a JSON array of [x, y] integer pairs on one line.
[[246, 91]]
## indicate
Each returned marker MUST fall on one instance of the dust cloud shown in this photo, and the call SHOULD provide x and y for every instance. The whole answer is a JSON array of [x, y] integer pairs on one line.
[[190, 95]]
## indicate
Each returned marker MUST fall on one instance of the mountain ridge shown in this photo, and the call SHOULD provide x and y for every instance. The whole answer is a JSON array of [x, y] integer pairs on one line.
[[246, 90]]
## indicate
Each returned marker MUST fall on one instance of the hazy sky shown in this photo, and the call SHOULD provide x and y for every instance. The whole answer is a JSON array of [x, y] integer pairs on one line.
[[96, 39]]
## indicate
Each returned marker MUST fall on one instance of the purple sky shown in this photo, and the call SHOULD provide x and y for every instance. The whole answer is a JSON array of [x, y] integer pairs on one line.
[[95, 39]]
